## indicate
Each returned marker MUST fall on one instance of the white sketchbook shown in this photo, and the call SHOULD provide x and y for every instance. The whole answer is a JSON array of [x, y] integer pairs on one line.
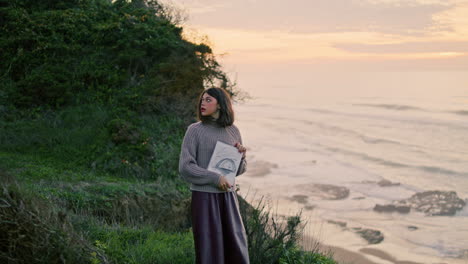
[[225, 160]]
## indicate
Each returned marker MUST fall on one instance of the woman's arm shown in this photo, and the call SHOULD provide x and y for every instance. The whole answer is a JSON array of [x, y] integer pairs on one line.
[[188, 167]]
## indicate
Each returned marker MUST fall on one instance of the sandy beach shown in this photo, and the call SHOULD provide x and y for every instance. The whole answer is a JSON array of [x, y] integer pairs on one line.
[[344, 256]]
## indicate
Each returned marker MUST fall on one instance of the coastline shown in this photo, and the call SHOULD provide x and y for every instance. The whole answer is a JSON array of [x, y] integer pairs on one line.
[[345, 244], [365, 190]]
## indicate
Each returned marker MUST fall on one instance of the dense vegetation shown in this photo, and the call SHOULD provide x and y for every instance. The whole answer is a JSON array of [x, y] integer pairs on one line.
[[94, 102]]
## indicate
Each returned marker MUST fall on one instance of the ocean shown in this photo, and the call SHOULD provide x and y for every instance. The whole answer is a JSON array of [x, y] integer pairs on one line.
[[336, 158]]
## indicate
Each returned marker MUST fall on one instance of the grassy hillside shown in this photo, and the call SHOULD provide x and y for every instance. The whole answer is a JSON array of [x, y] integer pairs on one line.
[[95, 97]]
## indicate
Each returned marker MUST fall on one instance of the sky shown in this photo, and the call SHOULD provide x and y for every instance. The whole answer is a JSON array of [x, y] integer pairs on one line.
[[330, 44]]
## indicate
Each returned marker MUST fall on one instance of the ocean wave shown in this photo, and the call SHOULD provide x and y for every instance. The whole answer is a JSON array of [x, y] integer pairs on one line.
[[398, 107], [438, 170], [393, 164], [402, 119], [393, 106], [460, 112], [365, 138], [373, 140], [339, 131]]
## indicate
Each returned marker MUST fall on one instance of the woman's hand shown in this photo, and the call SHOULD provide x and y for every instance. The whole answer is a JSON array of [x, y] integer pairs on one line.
[[224, 184], [241, 149]]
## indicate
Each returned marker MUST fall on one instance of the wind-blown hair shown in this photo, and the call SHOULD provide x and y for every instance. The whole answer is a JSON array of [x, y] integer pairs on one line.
[[226, 113]]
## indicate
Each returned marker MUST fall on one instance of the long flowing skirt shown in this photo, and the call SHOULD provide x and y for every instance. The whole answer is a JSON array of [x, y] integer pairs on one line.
[[218, 231]]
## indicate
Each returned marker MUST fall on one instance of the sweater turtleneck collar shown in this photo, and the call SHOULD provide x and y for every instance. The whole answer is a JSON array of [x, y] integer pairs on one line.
[[212, 122]]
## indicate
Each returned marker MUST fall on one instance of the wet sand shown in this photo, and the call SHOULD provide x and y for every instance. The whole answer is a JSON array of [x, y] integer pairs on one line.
[[364, 256]]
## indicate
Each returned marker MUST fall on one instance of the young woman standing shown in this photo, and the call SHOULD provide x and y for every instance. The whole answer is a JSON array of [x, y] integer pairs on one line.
[[218, 231]]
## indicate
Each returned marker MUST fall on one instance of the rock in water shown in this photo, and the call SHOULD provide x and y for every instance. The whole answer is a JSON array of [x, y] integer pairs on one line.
[[429, 202], [300, 198], [389, 208], [372, 236], [387, 183], [324, 191]]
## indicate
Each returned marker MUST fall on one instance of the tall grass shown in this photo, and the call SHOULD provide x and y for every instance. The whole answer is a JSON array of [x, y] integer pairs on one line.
[[32, 230]]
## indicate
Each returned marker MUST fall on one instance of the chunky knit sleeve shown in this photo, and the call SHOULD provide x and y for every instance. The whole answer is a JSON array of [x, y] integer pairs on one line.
[[188, 166], [242, 167], [243, 163]]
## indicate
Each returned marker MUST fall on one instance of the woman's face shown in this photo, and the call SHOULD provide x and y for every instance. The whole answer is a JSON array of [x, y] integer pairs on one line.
[[208, 105]]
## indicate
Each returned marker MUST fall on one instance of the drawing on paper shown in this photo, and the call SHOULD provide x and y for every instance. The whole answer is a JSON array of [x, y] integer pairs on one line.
[[225, 160], [226, 165]]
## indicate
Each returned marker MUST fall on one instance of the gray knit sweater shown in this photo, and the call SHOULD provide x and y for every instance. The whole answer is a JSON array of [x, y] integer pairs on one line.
[[197, 148]]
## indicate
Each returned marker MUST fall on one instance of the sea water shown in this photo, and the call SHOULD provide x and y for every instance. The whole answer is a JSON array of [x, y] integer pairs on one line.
[[416, 143]]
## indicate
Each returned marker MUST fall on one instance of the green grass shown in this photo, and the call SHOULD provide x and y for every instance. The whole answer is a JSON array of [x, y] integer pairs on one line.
[[143, 245]]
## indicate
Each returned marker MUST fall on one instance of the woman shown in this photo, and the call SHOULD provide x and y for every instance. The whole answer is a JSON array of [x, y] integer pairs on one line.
[[218, 231]]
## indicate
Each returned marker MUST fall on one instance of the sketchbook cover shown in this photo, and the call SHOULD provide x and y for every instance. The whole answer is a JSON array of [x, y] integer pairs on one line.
[[225, 160]]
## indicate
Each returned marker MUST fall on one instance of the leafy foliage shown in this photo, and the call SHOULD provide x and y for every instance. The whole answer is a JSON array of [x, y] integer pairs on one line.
[[61, 53]]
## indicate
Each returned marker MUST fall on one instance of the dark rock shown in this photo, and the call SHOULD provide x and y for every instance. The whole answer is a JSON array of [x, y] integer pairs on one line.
[[435, 202], [412, 228], [389, 208], [372, 236], [387, 183], [332, 192], [309, 207], [324, 191], [300, 198], [382, 183], [430, 202]]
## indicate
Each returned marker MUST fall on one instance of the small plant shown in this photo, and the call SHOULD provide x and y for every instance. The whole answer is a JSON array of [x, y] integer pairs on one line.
[[269, 239]]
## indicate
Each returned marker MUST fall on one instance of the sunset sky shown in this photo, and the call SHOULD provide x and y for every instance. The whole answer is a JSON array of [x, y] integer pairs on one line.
[[301, 37]]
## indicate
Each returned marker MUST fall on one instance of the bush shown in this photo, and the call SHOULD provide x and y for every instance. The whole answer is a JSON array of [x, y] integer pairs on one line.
[[125, 53]]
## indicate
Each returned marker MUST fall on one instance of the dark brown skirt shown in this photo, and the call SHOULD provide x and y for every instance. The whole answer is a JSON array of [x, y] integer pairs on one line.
[[218, 231]]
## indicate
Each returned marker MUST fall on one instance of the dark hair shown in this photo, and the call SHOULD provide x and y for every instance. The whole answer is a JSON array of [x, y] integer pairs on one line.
[[226, 113]]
